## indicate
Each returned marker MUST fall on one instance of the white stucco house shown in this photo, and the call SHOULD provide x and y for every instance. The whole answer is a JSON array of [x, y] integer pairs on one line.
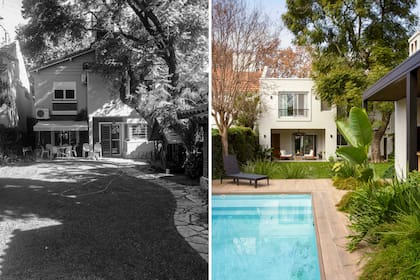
[[294, 122], [402, 85]]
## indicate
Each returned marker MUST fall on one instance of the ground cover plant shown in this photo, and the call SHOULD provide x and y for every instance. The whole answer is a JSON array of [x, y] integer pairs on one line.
[[386, 217], [64, 220]]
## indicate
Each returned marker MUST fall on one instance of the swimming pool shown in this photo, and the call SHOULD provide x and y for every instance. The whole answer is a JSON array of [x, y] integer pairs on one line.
[[263, 237]]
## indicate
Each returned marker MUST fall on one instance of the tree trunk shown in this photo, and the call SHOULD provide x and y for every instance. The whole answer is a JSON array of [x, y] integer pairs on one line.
[[377, 136], [224, 139]]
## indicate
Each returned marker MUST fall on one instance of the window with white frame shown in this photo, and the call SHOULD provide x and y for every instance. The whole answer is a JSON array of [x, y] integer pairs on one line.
[[293, 104], [137, 131], [64, 91]]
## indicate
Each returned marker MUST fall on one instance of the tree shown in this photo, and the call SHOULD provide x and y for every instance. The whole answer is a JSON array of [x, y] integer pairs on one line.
[[241, 38], [289, 63], [354, 43], [247, 107], [163, 57]]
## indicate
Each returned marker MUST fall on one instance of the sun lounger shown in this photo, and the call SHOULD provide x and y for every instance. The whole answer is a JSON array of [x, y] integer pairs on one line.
[[232, 170]]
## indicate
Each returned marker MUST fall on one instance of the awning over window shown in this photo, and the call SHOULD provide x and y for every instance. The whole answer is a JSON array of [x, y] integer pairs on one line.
[[61, 126]]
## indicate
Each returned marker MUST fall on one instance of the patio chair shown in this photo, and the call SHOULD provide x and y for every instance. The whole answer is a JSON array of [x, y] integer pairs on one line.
[[26, 150], [73, 151], [45, 151], [310, 155], [285, 155], [53, 151], [87, 148], [97, 150], [232, 170]]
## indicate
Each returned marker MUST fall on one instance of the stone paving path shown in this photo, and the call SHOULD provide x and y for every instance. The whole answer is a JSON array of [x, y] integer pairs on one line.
[[188, 211]]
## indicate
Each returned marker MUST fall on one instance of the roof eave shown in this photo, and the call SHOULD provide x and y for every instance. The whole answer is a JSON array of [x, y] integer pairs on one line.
[[395, 75]]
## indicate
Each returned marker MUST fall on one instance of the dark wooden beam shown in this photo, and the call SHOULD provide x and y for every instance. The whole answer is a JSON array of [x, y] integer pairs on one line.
[[411, 105]]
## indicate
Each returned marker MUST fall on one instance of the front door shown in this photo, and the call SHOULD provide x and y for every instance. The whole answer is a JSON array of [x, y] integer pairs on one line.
[[110, 139]]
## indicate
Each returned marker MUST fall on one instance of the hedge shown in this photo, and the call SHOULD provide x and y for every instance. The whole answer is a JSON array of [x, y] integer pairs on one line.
[[243, 142]]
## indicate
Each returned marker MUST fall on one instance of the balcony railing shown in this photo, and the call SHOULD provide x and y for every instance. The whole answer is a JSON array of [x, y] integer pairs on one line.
[[293, 113]]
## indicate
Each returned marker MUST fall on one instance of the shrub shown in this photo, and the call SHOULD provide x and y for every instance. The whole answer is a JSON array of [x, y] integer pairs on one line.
[[374, 204], [262, 167], [243, 142], [398, 254], [349, 183], [345, 202], [344, 169]]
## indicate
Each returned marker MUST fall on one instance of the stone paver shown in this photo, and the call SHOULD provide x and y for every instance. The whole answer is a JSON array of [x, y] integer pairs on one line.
[[189, 209]]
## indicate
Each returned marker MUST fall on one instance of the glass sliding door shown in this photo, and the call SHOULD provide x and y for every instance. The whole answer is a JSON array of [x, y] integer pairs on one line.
[[303, 144]]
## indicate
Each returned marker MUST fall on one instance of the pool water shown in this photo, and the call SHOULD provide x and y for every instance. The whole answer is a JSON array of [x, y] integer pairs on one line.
[[263, 237]]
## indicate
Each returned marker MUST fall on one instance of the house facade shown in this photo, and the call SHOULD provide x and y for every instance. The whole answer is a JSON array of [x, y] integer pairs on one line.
[[401, 85], [17, 108], [294, 122], [76, 105]]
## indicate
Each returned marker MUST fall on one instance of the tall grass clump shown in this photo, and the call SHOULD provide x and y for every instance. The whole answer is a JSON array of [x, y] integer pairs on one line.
[[397, 256], [269, 168], [291, 171], [374, 204]]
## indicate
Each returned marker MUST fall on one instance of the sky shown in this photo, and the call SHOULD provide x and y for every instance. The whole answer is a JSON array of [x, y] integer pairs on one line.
[[10, 11]]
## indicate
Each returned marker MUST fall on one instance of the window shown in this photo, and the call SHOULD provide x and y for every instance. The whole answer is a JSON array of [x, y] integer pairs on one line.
[[64, 91], [325, 106], [138, 131], [67, 94], [293, 104]]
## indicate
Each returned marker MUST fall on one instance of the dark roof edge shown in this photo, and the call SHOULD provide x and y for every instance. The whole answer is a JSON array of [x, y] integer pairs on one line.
[[63, 59], [395, 74]]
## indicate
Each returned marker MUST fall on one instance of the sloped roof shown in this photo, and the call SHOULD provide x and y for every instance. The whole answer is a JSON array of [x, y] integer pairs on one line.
[[65, 58]]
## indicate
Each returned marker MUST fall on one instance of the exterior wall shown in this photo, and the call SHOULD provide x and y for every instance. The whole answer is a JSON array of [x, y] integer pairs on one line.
[[317, 120], [401, 139], [68, 71], [104, 105], [95, 94]]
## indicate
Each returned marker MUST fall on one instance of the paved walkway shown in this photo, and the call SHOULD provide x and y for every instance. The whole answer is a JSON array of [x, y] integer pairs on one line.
[[189, 209], [335, 261]]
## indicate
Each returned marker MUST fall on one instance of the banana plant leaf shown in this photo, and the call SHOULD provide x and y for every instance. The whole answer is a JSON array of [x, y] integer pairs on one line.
[[357, 130], [356, 155]]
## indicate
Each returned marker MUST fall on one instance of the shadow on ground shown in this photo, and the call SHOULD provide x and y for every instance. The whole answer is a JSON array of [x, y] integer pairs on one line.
[[90, 221]]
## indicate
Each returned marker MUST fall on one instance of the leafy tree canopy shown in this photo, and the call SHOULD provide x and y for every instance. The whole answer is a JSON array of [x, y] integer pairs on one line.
[[354, 44], [159, 45], [351, 41]]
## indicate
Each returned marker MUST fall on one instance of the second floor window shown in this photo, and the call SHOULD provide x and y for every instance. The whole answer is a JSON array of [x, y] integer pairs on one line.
[[293, 104], [64, 94], [64, 91]]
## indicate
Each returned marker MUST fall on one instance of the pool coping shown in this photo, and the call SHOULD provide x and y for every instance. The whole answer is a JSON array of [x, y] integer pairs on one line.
[[331, 225]]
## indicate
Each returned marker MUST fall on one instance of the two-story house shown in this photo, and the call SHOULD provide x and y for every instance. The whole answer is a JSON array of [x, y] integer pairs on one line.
[[294, 122], [76, 105]]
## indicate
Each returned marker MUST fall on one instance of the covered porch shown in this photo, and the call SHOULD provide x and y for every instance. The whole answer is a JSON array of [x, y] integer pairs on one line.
[[61, 133], [402, 86], [298, 144]]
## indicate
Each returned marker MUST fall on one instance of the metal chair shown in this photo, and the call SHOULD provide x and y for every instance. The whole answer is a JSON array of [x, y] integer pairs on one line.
[[86, 148], [97, 150]]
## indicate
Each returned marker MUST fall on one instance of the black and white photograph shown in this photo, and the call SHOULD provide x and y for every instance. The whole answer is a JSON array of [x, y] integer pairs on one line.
[[104, 139]]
